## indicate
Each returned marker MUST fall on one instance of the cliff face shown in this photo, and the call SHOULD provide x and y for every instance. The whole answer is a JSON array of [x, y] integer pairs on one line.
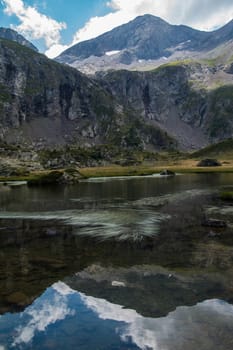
[[184, 104], [182, 99], [39, 97], [45, 103]]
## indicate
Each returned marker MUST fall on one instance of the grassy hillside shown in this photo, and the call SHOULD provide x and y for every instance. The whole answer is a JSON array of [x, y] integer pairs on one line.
[[221, 150]]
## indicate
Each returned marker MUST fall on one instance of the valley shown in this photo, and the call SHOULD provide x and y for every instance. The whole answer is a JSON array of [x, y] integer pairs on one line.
[[116, 185]]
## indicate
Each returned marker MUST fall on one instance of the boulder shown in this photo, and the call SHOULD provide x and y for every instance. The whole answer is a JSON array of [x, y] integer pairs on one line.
[[209, 162], [167, 172], [70, 176]]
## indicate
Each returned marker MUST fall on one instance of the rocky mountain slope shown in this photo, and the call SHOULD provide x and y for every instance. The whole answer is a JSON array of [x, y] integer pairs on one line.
[[44, 103], [145, 42], [184, 104], [189, 100], [10, 34]]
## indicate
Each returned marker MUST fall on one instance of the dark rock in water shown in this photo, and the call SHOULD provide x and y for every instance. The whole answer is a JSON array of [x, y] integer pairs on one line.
[[214, 223], [209, 162], [167, 173]]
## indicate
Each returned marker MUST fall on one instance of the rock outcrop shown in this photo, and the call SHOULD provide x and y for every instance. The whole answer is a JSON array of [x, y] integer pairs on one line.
[[179, 99]]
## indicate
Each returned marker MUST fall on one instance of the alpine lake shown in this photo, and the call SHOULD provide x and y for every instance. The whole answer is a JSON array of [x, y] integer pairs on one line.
[[117, 264]]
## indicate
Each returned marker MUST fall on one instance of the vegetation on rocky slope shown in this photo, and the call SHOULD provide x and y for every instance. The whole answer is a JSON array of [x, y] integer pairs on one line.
[[111, 118], [221, 150], [44, 103]]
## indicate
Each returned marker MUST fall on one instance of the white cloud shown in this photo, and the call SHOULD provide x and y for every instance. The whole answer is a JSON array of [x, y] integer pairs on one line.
[[179, 326], [56, 49], [34, 24], [44, 313]]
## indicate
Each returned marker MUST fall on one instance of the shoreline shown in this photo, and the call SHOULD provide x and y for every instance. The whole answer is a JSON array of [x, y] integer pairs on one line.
[[117, 170]]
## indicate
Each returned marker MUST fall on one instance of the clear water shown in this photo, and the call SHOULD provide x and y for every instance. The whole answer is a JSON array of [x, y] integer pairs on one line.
[[117, 264]]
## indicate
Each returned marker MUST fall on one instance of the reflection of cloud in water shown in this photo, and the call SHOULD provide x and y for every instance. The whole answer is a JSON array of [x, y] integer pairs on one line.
[[200, 326], [170, 198], [114, 178], [108, 311], [195, 324], [121, 223], [124, 178], [155, 201], [136, 327], [104, 224], [43, 313], [223, 210], [125, 221]]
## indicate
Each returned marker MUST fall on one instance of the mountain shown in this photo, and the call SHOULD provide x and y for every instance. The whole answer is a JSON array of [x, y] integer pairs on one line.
[[147, 41], [191, 101], [181, 105], [44, 103], [10, 34]]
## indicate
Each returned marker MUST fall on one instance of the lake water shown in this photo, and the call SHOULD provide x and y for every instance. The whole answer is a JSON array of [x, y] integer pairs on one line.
[[116, 264]]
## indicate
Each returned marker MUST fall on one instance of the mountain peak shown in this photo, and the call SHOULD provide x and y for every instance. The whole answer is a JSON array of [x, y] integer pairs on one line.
[[145, 40], [145, 37], [10, 34], [149, 18]]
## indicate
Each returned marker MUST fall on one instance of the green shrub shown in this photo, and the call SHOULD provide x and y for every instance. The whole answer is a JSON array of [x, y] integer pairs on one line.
[[226, 195]]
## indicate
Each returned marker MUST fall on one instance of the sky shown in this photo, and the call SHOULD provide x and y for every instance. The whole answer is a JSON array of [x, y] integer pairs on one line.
[[55, 25]]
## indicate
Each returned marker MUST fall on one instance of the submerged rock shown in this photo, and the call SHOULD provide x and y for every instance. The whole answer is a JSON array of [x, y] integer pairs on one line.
[[167, 172]]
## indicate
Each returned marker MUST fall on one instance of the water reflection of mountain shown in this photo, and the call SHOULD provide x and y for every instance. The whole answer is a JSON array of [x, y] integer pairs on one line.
[[63, 319], [151, 291]]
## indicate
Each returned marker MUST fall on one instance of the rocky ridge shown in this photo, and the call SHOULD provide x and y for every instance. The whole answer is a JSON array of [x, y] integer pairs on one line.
[[144, 43], [10, 34]]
